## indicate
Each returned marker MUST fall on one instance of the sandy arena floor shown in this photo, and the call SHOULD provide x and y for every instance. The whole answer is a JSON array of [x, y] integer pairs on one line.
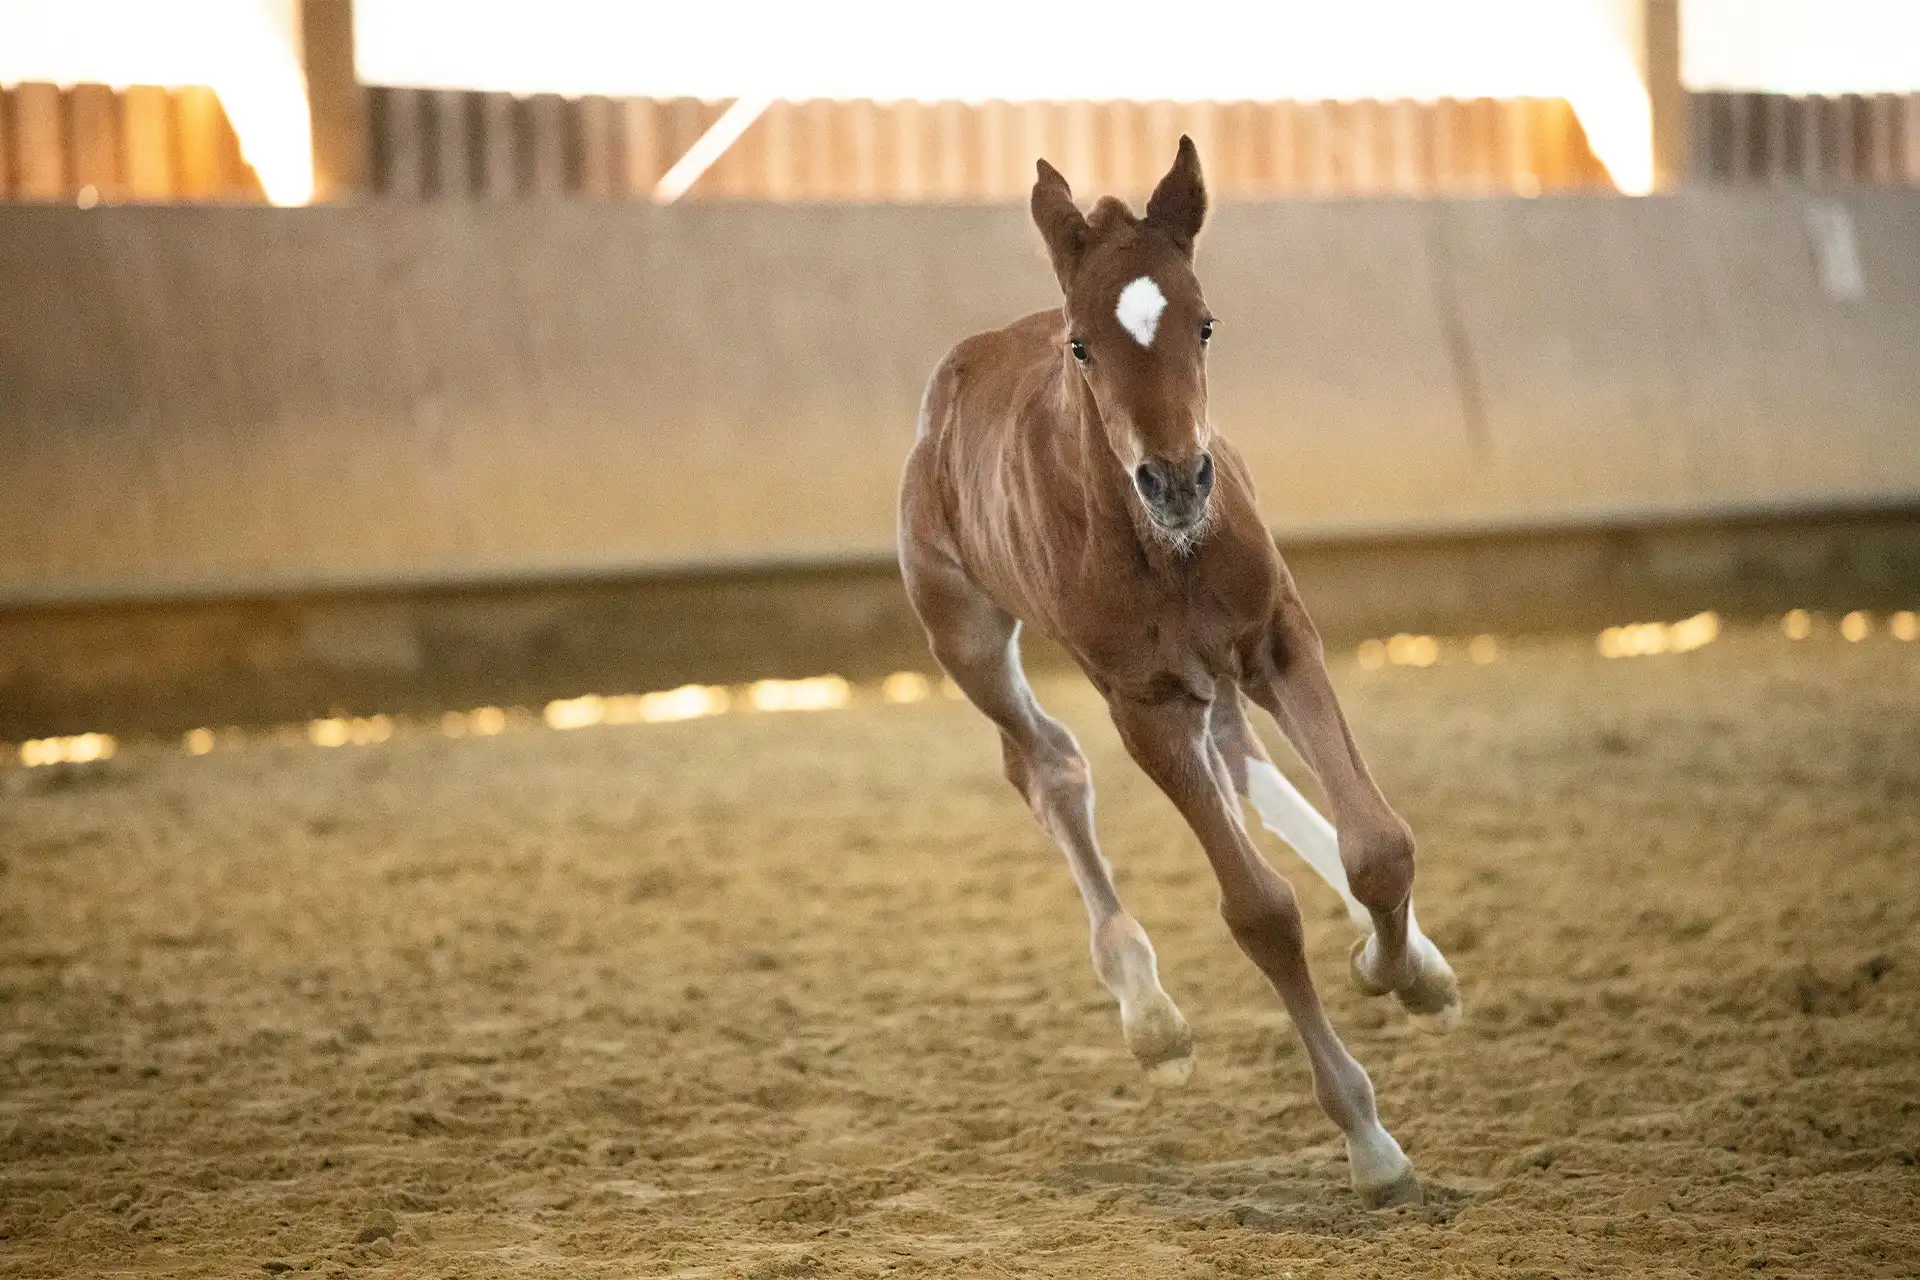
[[808, 995]]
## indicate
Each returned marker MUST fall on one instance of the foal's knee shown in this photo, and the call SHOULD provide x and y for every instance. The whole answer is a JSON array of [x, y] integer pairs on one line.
[[1379, 864], [1264, 917]]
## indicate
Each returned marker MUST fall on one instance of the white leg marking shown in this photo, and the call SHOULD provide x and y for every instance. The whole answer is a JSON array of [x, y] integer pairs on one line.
[[1381, 1172], [1156, 1033], [1286, 813]]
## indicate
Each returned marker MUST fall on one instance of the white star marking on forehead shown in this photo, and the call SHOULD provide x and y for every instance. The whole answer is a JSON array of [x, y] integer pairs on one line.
[[1139, 310]]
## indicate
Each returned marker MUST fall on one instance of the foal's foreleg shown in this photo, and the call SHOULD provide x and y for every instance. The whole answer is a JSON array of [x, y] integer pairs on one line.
[[1366, 853], [979, 647], [1171, 742]]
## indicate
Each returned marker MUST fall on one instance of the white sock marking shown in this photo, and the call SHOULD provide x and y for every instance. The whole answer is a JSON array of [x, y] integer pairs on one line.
[[1141, 303], [1286, 813]]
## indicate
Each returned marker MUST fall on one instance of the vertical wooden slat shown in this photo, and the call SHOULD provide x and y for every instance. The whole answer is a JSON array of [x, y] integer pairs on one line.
[[1286, 122], [1261, 182], [1202, 124], [1739, 137], [39, 149], [777, 130], [595, 146], [402, 147], [1365, 134], [1321, 135], [1910, 138], [909, 174], [93, 139], [6, 142], [1031, 130], [640, 127], [1547, 143], [1402, 156], [974, 140], [740, 172], [1753, 133], [682, 121], [338, 102], [816, 136], [1078, 151], [455, 162], [1233, 143], [1113, 150], [1484, 117], [1770, 138], [1813, 140], [1516, 156], [1146, 149], [546, 134], [993, 150], [499, 175], [1883, 124], [144, 152], [949, 170], [196, 113], [863, 146], [1163, 139], [1856, 138], [747, 163]]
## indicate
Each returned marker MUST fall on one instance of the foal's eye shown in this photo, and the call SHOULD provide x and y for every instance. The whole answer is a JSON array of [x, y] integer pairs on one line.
[[1079, 350], [1206, 331]]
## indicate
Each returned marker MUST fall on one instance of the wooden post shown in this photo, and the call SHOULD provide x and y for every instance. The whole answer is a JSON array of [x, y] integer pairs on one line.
[[335, 99], [1660, 69], [6, 143]]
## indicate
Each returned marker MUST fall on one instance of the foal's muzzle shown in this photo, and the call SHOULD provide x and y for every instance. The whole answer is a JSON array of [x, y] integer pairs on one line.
[[1175, 493]]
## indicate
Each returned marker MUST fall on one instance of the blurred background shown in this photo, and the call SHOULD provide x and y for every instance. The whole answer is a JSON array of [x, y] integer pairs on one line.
[[388, 355]]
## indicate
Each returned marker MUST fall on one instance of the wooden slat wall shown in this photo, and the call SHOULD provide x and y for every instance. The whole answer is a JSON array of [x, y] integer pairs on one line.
[[93, 143], [954, 151], [149, 143], [1769, 138]]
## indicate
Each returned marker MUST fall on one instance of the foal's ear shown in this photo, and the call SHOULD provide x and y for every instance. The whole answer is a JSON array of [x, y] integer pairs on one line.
[[1179, 203], [1059, 220]]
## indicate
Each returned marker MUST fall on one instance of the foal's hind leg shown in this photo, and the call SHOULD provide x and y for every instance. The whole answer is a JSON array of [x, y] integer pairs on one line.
[[978, 644]]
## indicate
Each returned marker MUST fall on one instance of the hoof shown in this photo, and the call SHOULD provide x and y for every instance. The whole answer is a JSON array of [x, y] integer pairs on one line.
[[1362, 983], [1405, 1189], [1382, 1174], [1432, 998], [1158, 1038]]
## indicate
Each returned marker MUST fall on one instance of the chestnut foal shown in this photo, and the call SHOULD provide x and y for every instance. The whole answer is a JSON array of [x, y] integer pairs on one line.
[[1066, 475]]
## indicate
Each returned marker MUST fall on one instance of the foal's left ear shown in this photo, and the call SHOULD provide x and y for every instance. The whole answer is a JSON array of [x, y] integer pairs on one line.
[[1179, 203]]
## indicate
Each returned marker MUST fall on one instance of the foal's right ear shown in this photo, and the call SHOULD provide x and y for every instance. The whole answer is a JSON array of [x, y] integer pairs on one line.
[[1060, 222]]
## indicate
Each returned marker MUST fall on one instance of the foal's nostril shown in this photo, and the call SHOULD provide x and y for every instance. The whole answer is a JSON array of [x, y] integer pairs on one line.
[[1203, 476], [1147, 477]]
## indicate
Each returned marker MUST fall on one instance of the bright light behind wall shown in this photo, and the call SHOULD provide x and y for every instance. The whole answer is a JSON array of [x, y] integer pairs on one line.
[[1017, 51], [246, 51], [1801, 46]]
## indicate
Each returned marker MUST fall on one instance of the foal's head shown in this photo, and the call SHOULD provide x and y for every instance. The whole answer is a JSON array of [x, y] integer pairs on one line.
[[1137, 330]]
